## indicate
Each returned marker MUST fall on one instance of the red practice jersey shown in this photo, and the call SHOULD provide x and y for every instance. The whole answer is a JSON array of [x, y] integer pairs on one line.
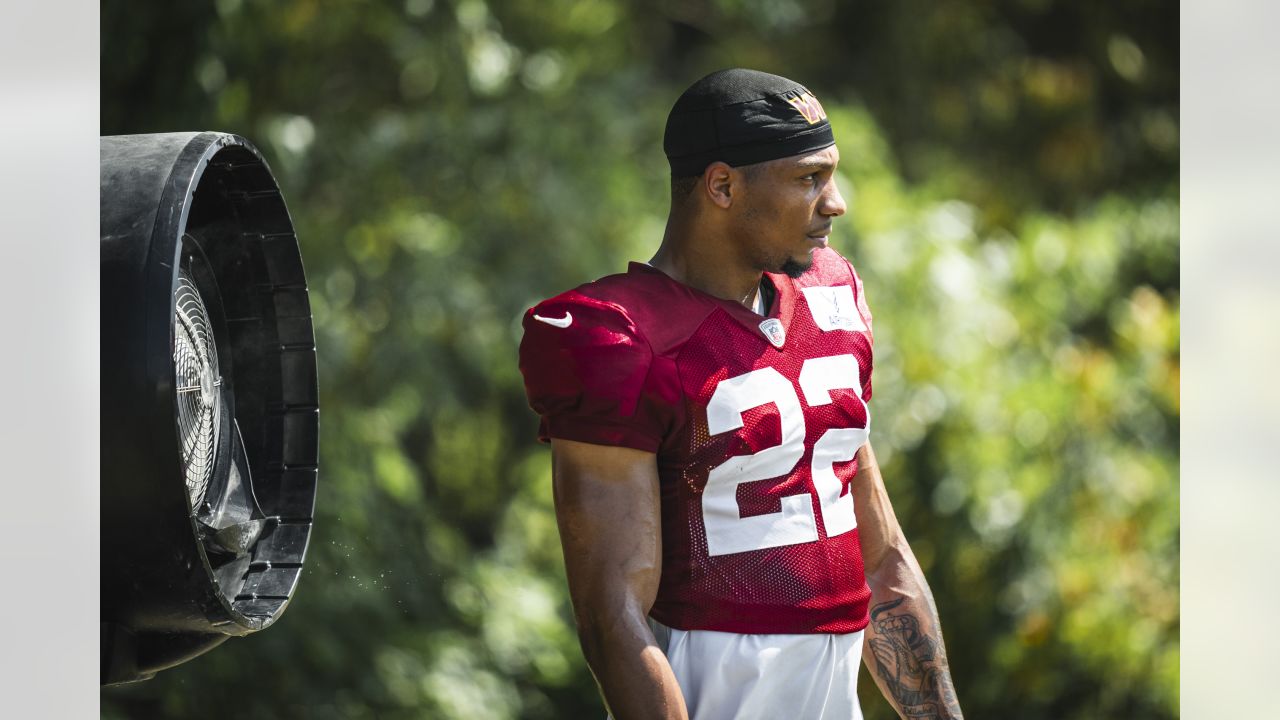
[[755, 422]]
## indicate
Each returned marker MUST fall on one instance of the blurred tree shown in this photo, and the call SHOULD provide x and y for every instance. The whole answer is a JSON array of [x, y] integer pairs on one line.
[[1012, 167]]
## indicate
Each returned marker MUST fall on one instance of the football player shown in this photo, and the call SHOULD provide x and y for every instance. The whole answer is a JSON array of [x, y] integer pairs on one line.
[[730, 548]]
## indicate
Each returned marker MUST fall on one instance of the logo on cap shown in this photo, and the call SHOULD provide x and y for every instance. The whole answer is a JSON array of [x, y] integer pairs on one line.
[[809, 107]]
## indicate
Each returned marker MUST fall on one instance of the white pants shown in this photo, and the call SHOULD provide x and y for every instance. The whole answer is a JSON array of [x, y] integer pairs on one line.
[[728, 676]]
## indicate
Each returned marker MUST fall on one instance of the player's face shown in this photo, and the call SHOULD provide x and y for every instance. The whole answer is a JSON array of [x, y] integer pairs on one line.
[[789, 205]]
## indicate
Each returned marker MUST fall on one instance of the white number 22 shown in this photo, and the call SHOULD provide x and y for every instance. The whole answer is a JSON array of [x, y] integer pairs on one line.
[[729, 532]]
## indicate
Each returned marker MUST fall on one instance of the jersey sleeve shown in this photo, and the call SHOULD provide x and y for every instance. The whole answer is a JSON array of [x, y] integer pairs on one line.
[[589, 374]]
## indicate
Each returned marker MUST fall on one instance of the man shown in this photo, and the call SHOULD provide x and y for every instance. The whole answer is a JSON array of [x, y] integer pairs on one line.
[[730, 548]]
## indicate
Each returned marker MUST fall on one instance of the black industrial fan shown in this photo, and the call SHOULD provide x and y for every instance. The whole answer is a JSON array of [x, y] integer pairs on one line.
[[209, 399]]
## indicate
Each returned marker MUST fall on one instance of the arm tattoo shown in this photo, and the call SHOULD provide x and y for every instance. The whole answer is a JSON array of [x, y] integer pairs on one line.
[[912, 664]]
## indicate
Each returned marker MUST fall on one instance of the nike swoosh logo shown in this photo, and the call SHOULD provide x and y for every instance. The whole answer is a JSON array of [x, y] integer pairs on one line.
[[563, 322]]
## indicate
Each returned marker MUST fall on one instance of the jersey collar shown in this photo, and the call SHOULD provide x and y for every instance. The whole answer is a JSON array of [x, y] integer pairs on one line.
[[782, 308]]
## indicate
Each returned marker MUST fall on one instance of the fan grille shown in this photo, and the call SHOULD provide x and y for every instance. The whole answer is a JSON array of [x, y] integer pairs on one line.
[[195, 360]]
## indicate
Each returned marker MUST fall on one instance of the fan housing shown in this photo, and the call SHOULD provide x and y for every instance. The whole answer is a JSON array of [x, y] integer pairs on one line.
[[209, 399]]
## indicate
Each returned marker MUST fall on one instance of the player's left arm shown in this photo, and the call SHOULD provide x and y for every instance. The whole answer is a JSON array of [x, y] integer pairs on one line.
[[903, 646]]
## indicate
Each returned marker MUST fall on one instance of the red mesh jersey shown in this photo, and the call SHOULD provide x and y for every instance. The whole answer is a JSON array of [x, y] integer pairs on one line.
[[755, 437]]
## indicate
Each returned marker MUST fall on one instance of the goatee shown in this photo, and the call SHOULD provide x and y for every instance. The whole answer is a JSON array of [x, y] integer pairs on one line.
[[794, 268]]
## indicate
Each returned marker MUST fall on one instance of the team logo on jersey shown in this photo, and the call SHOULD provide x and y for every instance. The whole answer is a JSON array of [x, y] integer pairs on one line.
[[772, 329], [833, 308], [809, 107]]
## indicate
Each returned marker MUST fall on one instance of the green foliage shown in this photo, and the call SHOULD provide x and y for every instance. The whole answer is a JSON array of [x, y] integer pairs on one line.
[[1012, 171]]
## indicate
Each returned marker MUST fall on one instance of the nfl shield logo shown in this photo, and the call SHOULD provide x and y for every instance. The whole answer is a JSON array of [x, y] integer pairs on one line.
[[772, 329]]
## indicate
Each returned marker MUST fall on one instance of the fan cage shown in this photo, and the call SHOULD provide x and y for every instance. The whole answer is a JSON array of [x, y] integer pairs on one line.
[[198, 383]]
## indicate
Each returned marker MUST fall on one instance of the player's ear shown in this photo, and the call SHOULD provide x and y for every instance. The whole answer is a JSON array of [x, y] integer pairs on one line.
[[718, 180]]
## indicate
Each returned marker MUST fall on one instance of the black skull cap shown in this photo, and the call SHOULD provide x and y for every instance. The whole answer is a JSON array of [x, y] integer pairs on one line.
[[743, 117]]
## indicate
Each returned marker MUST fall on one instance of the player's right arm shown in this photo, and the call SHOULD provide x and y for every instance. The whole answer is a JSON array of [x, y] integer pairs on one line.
[[605, 405], [607, 508]]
